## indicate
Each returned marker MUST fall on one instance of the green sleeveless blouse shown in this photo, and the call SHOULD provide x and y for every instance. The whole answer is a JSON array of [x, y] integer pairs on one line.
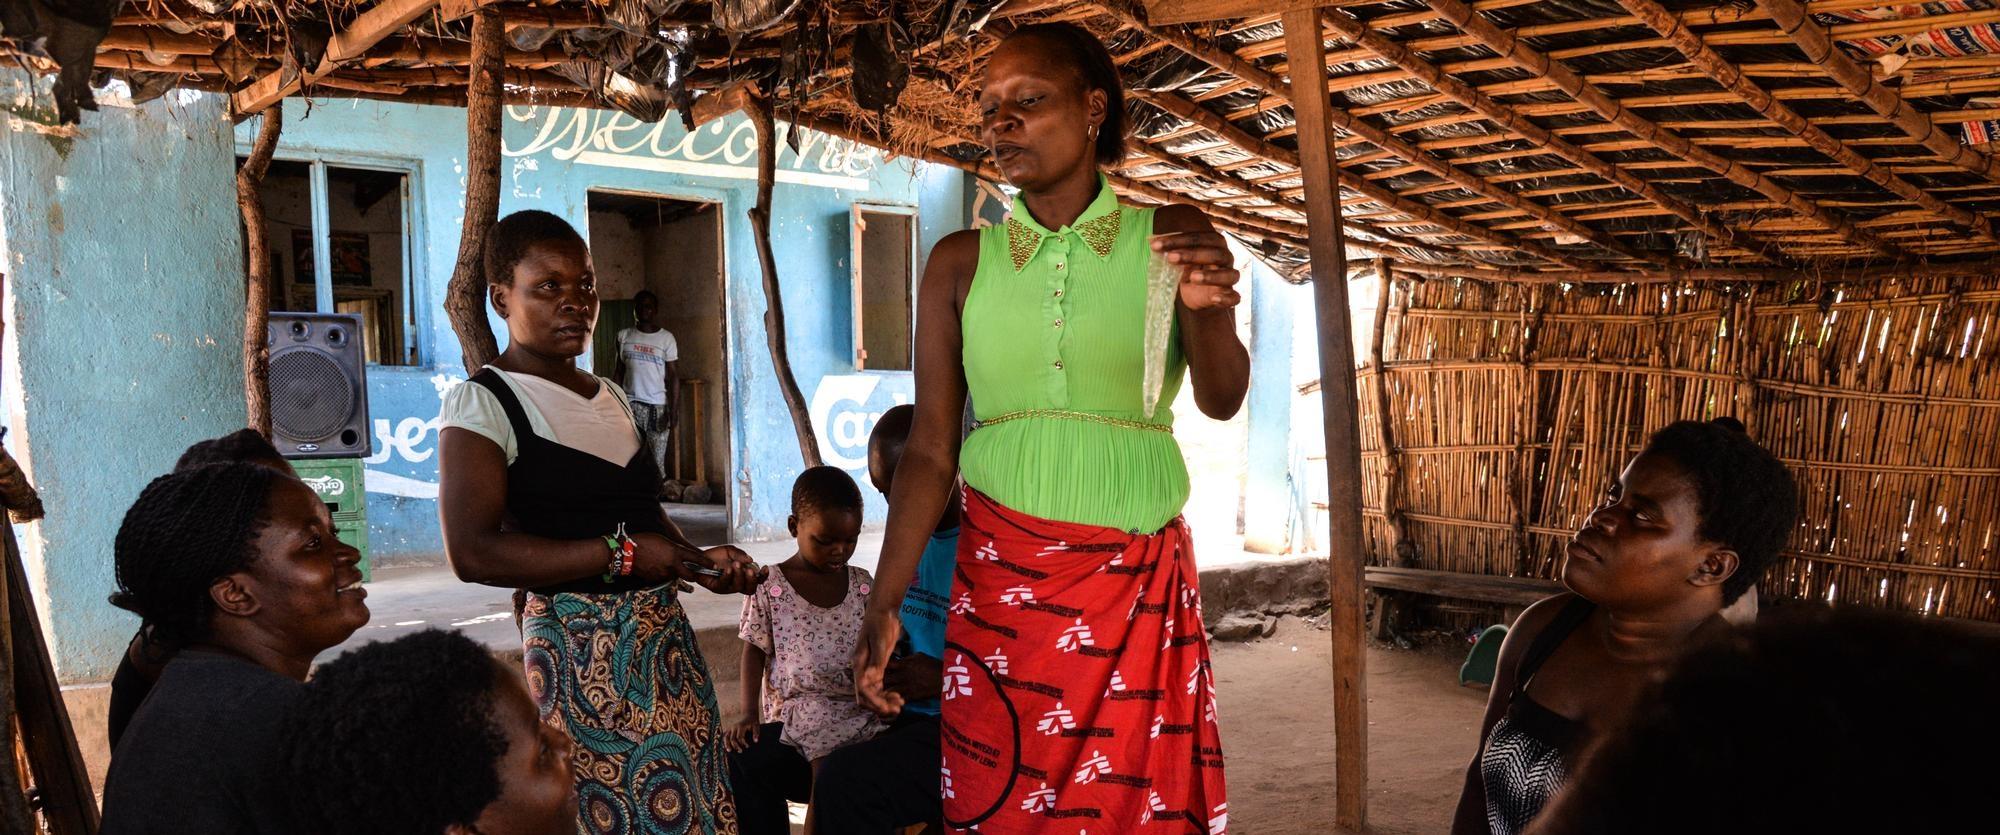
[[1054, 322]]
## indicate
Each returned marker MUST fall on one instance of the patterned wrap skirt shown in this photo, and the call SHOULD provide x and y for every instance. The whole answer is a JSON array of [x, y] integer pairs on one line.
[[1078, 692], [623, 675]]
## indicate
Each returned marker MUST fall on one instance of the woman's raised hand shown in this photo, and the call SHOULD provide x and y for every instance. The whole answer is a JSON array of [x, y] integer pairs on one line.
[[879, 630], [1209, 276]]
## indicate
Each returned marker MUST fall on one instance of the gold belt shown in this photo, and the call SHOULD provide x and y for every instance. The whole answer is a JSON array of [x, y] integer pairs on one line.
[[1064, 414]]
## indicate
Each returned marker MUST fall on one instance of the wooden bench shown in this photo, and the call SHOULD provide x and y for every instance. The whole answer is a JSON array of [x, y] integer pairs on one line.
[[1513, 593]]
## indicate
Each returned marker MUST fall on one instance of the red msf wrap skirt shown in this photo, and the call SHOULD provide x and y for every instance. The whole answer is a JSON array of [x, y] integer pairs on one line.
[[1078, 695]]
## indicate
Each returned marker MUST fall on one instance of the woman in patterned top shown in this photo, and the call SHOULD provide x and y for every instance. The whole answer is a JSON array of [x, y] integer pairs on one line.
[[1686, 529], [1077, 690]]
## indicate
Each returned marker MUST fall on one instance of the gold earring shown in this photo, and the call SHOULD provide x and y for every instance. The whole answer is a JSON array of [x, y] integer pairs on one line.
[[1093, 133]]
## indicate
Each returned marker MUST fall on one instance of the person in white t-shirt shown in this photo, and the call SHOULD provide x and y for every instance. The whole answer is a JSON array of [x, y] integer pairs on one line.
[[649, 367]]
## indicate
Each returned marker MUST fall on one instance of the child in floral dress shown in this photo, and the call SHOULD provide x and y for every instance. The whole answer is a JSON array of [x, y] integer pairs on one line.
[[798, 631]]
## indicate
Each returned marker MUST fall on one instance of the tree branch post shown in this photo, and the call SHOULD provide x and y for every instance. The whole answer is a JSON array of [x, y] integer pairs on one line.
[[465, 296], [257, 286], [774, 306]]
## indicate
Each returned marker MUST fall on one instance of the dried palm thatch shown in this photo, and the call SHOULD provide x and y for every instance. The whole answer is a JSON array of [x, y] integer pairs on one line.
[[1573, 135]]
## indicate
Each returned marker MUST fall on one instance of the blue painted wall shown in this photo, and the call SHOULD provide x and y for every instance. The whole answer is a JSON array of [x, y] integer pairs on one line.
[[555, 158], [124, 321], [1267, 482]]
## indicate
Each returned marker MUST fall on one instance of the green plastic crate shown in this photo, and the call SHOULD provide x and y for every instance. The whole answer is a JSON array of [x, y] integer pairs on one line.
[[341, 483]]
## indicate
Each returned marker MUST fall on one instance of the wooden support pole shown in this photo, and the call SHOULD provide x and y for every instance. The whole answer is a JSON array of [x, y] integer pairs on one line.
[[18, 497], [1400, 550], [1340, 411], [257, 287], [48, 738], [1522, 466], [465, 296], [774, 304]]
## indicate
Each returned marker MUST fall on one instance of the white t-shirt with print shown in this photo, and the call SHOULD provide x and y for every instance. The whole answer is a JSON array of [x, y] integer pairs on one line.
[[601, 425], [646, 357]]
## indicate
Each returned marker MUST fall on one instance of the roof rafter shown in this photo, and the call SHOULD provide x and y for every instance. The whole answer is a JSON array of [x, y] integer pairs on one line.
[[1180, 106], [1887, 103], [1486, 34], [1728, 75], [1277, 197], [1506, 117], [365, 31], [1281, 91]]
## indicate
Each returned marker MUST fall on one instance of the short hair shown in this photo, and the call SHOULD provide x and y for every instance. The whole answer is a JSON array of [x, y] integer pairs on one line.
[[1788, 725], [1095, 68], [187, 529], [398, 736], [824, 488], [645, 295], [1745, 496], [892, 431], [244, 445], [508, 241]]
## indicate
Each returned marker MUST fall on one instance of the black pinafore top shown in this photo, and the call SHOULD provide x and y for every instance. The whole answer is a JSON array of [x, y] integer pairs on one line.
[[563, 493]]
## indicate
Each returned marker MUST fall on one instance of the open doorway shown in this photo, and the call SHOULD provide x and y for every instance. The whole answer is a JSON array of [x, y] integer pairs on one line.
[[673, 248]]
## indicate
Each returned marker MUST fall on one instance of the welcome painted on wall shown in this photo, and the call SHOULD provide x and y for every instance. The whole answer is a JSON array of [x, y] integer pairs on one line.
[[722, 148]]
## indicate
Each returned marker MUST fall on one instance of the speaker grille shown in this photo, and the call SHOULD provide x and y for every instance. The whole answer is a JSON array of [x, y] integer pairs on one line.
[[311, 396]]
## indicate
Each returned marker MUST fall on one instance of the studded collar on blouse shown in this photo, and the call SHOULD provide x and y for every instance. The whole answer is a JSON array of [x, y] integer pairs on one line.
[[1098, 227]]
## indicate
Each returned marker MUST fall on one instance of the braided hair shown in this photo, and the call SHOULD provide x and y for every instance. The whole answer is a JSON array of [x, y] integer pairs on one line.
[[398, 736], [247, 445], [1747, 499], [824, 488], [187, 529]]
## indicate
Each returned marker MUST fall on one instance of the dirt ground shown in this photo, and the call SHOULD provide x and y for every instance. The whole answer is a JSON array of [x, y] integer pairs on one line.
[[1275, 696]]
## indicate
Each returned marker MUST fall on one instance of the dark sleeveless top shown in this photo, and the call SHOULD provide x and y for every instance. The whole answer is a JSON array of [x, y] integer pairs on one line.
[[563, 493], [1528, 754]]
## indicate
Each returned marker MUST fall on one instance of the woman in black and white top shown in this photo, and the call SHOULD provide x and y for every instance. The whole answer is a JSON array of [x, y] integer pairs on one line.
[[1685, 530], [544, 487]]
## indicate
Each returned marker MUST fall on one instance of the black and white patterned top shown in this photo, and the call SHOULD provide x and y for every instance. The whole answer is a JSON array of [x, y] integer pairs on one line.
[[1527, 755]]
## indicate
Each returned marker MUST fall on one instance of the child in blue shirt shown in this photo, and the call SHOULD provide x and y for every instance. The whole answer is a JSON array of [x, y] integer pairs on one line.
[[891, 782]]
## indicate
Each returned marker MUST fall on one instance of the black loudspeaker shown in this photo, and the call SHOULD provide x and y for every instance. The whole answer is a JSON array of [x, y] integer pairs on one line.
[[319, 386]]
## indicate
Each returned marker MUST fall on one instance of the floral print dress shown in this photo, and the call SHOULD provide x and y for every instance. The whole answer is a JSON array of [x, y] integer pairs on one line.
[[809, 678]]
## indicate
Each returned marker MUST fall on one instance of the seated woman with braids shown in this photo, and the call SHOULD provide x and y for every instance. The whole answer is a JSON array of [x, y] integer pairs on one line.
[[148, 655], [1681, 534], [238, 567]]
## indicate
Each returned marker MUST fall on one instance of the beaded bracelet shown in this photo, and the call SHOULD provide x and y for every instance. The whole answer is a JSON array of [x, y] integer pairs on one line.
[[623, 553]]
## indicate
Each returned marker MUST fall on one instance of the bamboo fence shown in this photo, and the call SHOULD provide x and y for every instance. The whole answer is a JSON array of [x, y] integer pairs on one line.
[[1511, 407]]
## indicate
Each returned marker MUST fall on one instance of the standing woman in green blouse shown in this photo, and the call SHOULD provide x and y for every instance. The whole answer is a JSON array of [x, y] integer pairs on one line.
[[1077, 681]]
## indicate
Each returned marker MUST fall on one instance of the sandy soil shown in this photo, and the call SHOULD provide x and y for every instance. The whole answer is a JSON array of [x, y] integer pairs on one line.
[[1275, 698]]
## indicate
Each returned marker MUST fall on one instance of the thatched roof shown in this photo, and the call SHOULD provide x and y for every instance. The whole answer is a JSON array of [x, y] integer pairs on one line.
[[1589, 137]]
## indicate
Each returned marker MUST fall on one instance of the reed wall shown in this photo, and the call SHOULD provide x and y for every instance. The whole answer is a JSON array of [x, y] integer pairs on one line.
[[1510, 408]]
